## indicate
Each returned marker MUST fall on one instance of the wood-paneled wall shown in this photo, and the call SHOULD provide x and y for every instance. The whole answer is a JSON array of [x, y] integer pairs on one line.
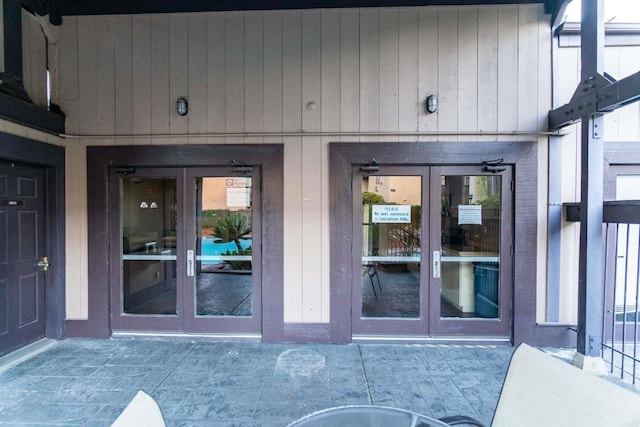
[[319, 71], [621, 125], [34, 60]]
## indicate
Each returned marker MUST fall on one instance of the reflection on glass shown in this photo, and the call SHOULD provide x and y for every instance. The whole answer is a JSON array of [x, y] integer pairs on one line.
[[470, 212], [224, 279], [391, 227], [149, 245]]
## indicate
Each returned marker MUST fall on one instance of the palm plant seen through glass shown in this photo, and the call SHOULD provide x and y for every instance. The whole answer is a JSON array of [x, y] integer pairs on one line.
[[232, 228]]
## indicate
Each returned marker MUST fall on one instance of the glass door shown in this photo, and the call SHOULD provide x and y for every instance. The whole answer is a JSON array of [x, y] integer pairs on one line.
[[223, 248], [432, 252], [471, 255], [188, 246], [389, 291], [147, 292]]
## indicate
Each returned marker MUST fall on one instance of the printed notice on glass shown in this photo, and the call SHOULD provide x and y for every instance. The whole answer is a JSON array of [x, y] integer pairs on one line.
[[470, 214], [391, 214], [238, 197]]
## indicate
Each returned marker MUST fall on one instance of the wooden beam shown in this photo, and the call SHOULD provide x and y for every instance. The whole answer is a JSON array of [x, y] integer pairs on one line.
[[109, 7]]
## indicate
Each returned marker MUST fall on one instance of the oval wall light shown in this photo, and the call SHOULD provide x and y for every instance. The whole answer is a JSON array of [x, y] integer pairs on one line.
[[432, 103], [182, 106]]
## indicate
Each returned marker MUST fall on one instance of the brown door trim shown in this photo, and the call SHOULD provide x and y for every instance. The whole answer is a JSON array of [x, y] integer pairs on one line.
[[522, 155], [269, 157], [51, 157]]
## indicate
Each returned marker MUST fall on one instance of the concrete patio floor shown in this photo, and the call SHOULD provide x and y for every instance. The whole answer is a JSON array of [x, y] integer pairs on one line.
[[82, 382]]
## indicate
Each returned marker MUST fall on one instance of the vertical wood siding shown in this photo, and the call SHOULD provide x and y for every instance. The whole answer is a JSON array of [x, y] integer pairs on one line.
[[621, 125], [34, 60], [351, 70]]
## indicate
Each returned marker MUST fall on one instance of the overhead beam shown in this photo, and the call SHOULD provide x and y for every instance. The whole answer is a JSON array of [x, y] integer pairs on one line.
[[108, 7], [596, 94], [619, 94], [557, 9]]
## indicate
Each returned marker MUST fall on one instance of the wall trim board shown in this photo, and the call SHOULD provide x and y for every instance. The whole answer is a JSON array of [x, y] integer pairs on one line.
[[24, 113], [307, 332]]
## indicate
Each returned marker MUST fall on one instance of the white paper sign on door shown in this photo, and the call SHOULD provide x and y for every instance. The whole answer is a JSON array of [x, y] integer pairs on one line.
[[391, 214], [238, 197], [470, 214]]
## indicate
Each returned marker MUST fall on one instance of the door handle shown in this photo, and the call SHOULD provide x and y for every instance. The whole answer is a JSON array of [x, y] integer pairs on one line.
[[44, 264], [190, 261], [436, 264]]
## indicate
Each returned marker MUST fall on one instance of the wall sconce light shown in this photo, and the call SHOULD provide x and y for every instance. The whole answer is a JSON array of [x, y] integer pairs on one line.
[[182, 106], [432, 103]]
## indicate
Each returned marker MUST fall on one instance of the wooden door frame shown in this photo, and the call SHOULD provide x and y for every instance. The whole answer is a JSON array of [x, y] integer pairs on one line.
[[269, 157], [521, 155], [52, 159]]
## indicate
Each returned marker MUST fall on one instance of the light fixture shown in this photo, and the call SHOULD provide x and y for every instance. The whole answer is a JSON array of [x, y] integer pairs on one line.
[[432, 103], [182, 106]]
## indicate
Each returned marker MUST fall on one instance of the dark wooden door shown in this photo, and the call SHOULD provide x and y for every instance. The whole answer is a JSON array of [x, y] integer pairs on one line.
[[22, 282]]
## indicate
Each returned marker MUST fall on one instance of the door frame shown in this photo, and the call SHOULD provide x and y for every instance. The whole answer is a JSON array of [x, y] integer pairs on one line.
[[521, 155], [227, 324], [154, 322], [477, 326], [388, 325], [52, 159], [269, 157]]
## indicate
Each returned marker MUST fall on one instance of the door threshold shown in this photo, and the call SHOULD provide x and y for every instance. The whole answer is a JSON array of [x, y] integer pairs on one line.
[[24, 353], [197, 336], [408, 339]]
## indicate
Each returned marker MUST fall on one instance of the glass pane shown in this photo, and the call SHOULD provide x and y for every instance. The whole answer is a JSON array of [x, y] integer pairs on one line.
[[224, 279], [391, 227], [149, 219], [470, 214]]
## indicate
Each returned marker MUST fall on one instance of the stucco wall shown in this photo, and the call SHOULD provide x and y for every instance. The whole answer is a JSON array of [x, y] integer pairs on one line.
[[334, 75]]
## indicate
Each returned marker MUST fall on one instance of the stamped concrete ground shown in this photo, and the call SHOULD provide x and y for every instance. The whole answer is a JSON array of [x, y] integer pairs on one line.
[[89, 382]]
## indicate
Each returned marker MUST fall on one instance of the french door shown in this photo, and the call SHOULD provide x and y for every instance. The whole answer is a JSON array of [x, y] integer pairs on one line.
[[184, 245], [432, 251]]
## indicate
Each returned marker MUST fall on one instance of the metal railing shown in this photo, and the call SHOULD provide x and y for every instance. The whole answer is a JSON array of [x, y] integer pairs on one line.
[[621, 328]]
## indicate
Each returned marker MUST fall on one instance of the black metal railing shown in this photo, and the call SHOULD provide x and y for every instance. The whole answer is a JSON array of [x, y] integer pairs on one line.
[[621, 328]]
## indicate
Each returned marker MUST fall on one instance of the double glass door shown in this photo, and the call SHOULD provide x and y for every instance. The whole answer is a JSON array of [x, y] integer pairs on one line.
[[186, 249], [433, 251]]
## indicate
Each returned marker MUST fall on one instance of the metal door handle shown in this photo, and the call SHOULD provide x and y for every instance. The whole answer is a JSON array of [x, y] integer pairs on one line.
[[44, 264], [190, 261], [436, 264]]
